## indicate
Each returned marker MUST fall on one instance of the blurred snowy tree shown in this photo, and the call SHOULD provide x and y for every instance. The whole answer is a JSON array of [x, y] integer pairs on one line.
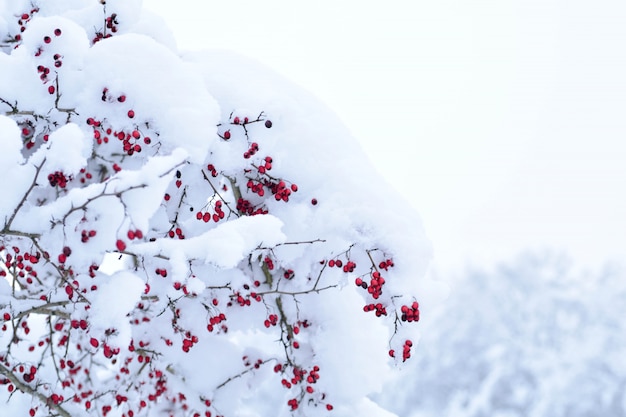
[[531, 338]]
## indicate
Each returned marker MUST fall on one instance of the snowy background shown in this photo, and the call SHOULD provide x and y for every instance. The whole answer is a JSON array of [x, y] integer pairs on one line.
[[499, 120], [502, 122]]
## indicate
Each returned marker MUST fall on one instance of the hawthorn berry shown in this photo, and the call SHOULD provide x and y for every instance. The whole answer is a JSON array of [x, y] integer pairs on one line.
[[268, 124], [57, 32], [120, 245]]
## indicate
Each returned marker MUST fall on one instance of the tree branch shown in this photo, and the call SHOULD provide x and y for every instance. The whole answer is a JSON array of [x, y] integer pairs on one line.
[[33, 392]]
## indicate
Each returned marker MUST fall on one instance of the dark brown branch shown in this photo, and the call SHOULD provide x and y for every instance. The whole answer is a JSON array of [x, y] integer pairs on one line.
[[241, 374], [7, 225]]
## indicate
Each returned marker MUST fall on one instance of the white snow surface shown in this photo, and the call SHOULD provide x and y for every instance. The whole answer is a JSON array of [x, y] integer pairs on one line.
[[115, 299], [225, 246]]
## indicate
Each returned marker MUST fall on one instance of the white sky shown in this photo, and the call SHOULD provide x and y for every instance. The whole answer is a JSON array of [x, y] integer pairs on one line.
[[502, 121]]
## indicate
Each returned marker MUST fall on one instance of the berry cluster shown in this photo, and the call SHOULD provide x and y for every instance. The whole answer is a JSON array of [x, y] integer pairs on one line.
[[64, 255], [134, 234], [21, 267], [212, 170], [85, 176], [22, 21], [216, 217], [176, 232], [306, 380], [110, 27], [265, 166], [255, 364], [406, 351], [338, 263], [271, 320], [215, 320], [44, 71], [386, 264], [375, 286], [245, 206], [58, 179], [252, 150], [133, 140], [410, 314], [378, 308], [189, 341]]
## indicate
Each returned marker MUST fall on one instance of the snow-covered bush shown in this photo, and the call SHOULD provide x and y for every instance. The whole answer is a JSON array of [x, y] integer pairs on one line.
[[186, 235], [532, 337]]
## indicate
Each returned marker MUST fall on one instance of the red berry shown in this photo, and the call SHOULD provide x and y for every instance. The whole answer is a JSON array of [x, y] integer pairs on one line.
[[57, 32], [121, 98], [47, 39], [51, 89], [314, 201], [268, 124], [121, 246], [94, 342], [131, 113], [227, 135]]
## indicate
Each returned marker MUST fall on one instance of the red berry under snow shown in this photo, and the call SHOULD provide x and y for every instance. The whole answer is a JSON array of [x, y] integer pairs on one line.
[[121, 246]]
